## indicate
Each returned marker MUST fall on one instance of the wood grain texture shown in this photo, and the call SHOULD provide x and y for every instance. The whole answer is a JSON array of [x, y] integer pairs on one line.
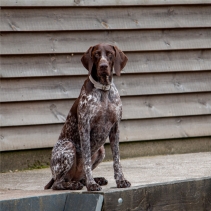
[[165, 87], [79, 42], [127, 85], [140, 107], [60, 19], [29, 137], [96, 3], [70, 64], [193, 195]]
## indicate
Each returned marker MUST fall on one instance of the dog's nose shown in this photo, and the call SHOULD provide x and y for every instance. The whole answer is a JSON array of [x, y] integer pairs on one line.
[[103, 66]]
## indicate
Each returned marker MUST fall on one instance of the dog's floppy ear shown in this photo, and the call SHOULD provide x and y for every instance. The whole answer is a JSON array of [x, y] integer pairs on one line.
[[87, 60], [120, 61]]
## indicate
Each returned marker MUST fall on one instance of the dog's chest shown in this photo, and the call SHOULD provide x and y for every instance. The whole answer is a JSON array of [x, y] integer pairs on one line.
[[101, 109], [105, 113], [98, 111]]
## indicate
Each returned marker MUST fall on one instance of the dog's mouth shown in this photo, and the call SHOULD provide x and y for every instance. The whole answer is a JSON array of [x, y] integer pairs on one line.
[[104, 79], [104, 73]]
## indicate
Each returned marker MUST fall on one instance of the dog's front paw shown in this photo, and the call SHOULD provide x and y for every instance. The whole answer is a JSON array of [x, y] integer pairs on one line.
[[94, 187], [123, 184]]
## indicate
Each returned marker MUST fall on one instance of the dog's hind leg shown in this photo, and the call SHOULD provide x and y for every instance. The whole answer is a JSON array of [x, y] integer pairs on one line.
[[97, 158], [63, 166]]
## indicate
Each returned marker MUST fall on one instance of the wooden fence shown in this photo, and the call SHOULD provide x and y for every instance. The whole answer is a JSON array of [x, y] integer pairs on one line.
[[165, 87]]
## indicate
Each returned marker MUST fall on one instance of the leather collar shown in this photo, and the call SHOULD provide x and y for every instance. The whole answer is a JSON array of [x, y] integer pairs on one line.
[[98, 85]]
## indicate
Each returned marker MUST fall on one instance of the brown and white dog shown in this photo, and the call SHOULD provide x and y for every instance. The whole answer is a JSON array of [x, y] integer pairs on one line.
[[93, 118]]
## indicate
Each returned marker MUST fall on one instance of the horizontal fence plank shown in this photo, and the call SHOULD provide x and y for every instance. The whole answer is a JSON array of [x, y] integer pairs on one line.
[[70, 64], [52, 112], [79, 42], [60, 19], [16, 138], [69, 87], [96, 3]]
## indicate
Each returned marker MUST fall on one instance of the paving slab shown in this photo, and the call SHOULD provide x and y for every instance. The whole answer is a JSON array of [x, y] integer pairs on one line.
[[142, 172], [139, 171]]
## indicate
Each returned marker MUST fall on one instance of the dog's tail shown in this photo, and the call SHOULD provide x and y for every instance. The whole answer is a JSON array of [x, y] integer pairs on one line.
[[49, 185]]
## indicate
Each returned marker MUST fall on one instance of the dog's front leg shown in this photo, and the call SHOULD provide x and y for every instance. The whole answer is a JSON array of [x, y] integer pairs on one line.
[[114, 143], [84, 131]]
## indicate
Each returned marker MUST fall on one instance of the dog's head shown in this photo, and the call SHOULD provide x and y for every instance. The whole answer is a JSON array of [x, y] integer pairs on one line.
[[100, 60]]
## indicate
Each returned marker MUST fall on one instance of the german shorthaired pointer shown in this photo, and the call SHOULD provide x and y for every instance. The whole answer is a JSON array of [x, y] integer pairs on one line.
[[93, 118]]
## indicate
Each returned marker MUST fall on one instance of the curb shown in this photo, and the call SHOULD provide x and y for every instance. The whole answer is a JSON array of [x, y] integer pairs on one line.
[[55, 202]]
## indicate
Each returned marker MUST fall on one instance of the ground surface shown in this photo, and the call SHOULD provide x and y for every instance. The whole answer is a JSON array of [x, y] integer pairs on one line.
[[139, 171]]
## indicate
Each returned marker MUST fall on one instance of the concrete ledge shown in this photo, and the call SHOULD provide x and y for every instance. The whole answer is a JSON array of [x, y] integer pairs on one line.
[[189, 195], [55, 202]]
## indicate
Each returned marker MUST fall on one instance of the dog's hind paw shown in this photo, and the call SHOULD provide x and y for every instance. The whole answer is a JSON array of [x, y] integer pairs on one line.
[[101, 181], [83, 182], [75, 185]]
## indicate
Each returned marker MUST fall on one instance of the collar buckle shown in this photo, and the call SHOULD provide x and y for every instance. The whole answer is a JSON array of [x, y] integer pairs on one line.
[[104, 87]]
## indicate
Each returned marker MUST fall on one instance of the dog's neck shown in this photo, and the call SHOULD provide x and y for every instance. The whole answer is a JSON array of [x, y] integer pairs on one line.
[[100, 82], [98, 85]]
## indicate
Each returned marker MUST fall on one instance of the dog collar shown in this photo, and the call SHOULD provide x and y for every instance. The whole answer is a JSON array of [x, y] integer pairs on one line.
[[98, 85]]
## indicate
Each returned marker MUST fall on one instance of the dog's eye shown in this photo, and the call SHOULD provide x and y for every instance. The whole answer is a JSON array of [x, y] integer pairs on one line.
[[110, 55], [97, 55]]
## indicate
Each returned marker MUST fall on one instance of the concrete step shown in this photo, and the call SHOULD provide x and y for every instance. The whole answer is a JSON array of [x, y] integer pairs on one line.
[[54, 202], [169, 182]]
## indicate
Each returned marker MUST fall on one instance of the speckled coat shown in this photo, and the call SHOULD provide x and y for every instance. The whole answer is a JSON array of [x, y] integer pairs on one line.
[[93, 118]]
